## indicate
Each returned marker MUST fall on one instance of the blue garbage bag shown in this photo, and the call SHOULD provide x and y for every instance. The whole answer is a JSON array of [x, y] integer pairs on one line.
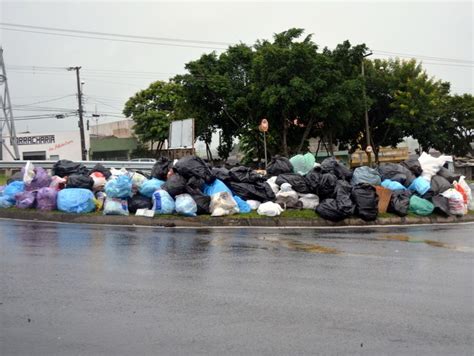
[[185, 205], [12, 189], [5, 203], [244, 207], [393, 185], [76, 200], [217, 187], [163, 203], [420, 185], [120, 187], [150, 186]]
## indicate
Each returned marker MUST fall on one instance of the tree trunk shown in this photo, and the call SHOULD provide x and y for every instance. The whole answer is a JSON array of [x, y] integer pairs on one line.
[[306, 134], [285, 133], [208, 153], [331, 150]]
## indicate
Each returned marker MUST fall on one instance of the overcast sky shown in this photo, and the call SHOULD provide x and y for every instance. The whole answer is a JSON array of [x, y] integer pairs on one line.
[[440, 33]]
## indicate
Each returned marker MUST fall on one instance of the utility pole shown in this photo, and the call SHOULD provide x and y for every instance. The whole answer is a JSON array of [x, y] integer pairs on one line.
[[6, 115], [81, 119], [368, 149]]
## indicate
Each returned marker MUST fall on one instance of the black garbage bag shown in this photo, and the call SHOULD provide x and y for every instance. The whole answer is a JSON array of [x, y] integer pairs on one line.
[[327, 186], [15, 177], [221, 173], [399, 202], [428, 195], [441, 205], [257, 191], [340, 207], [439, 184], [245, 175], [297, 182], [313, 179], [413, 165], [139, 201], [101, 169], [65, 167], [161, 167], [175, 185], [202, 201], [192, 166], [196, 183], [79, 181], [448, 175], [279, 165], [366, 201], [396, 172], [289, 202], [332, 165]]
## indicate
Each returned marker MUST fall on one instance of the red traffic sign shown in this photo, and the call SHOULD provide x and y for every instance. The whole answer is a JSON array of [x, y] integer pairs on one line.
[[263, 125], [369, 149]]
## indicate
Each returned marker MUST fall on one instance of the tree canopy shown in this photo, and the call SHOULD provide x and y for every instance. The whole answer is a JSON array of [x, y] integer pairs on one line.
[[304, 92]]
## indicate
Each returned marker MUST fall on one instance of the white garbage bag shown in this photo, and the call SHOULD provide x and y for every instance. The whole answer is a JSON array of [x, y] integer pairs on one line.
[[223, 204], [310, 201], [254, 204], [272, 183], [269, 209], [455, 202], [431, 165]]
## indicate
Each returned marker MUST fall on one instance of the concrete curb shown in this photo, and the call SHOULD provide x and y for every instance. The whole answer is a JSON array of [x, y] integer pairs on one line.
[[180, 221]]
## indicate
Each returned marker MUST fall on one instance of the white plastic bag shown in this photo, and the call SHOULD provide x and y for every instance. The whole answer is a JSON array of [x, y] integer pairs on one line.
[[254, 204], [137, 180], [272, 183], [99, 181], [455, 202], [115, 206], [223, 204], [310, 201], [29, 173], [467, 189], [117, 172], [269, 209], [431, 165], [287, 192]]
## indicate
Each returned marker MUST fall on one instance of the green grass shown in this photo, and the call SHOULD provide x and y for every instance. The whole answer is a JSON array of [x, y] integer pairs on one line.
[[3, 179]]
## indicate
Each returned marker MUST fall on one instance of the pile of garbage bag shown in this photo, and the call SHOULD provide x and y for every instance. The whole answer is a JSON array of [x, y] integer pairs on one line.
[[190, 187]]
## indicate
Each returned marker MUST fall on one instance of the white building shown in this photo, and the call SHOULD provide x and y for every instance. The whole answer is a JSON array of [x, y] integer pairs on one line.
[[47, 146]]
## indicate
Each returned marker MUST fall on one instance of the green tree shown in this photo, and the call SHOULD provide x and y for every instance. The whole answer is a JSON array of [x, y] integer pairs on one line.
[[455, 129], [153, 109], [402, 101]]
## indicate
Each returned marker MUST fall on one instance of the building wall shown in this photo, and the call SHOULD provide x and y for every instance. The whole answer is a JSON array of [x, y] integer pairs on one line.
[[121, 129], [48, 146]]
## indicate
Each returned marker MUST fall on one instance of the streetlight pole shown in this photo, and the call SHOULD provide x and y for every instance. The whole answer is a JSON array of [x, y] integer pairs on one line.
[[81, 119], [367, 129]]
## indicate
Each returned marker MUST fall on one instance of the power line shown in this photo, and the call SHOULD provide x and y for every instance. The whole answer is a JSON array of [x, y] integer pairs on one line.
[[111, 34], [46, 101], [444, 59], [113, 39]]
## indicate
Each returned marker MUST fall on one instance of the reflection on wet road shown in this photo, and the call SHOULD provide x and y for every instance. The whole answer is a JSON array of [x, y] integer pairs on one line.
[[76, 289]]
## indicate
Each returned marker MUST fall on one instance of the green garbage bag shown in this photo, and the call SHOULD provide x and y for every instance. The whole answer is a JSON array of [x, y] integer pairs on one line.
[[302, 164], [420, 206]]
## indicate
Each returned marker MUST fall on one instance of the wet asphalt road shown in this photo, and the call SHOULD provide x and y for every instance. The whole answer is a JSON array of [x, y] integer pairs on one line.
[[95, 290]]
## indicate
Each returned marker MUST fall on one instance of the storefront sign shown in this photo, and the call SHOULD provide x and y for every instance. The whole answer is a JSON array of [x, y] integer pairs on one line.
[[34, 140]]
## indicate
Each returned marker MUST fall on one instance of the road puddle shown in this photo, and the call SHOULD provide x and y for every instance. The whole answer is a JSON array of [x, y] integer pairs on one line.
[[295, 245], [433, 243]]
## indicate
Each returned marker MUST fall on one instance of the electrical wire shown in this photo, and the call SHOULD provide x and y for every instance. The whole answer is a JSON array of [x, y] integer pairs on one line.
[[115, 34], [114, 39], [47, 101]]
